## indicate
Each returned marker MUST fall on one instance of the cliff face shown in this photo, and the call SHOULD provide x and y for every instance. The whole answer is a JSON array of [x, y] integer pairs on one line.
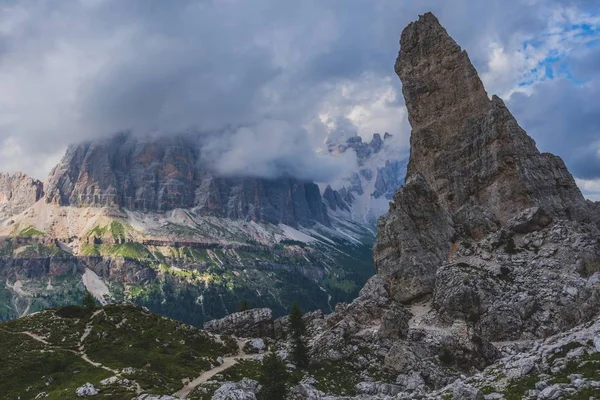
[[470, 162], [18, 192], [470, 148], [166, 173]]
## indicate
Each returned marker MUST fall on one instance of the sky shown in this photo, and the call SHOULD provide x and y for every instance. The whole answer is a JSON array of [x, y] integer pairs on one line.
[[272, 79]]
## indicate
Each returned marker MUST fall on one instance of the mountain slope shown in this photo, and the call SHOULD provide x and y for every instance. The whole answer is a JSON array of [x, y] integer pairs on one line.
[[122, 350], [178, 263]]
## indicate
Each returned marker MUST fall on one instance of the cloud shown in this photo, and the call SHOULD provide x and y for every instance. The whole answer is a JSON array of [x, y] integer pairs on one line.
[[244, 152], [590, 188], [267, 77]]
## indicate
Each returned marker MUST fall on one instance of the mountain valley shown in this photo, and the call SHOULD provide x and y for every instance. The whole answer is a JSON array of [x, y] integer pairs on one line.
[[487, 265]]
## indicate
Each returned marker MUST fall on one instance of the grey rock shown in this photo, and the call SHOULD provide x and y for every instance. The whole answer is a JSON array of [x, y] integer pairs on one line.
[[413, 240], [529, 220], [246, 389], [161, 174], [411, 382], [253, 323], [389, 178], [18, 192], [468, 147], [86, 390], [334, 200], [552, 392], [394, 323], [377, 388], [257, 345], [463, 391]]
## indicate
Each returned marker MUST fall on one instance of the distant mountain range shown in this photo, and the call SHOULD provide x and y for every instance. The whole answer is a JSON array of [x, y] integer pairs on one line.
[[146, 220], [364, 195]]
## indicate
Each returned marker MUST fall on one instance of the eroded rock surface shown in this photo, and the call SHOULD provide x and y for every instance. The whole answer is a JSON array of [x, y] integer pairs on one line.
[[257, 322], [489, 241], [484, 215], [162, 174], [18, 192]]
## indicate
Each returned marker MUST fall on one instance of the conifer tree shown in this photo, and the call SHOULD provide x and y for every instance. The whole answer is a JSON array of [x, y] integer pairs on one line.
[[88, 301], [273, 378], [298, 329], [243, 306]]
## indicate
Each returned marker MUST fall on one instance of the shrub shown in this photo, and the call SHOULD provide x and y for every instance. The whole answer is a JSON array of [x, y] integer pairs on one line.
[[72, 312]]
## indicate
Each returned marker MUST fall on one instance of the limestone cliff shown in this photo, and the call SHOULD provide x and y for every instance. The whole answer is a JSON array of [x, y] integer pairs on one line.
[[471, 166], [18, 192], [162, 174], [469, 148]]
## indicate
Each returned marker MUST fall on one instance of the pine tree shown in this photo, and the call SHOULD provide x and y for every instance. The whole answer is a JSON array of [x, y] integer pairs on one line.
[[298, 330], [88, 301], [243, 306], [273, 377]]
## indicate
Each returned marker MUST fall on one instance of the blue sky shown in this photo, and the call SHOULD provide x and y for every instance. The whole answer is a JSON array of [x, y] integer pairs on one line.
[[274, 78]]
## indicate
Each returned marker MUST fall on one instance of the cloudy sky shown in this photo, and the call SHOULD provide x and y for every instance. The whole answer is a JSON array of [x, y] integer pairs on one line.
[[275, 78]]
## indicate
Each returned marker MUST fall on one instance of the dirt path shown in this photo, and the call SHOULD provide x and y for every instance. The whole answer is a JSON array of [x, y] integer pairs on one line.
[[36, 337], [206, 375], [88, 330]]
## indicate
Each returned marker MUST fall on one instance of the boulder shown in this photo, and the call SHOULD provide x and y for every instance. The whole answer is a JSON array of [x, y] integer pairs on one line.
[[253, 323], [246, 389], [86, 390]]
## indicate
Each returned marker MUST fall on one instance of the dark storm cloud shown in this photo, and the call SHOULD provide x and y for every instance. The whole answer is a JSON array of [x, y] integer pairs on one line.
[[265, 76]]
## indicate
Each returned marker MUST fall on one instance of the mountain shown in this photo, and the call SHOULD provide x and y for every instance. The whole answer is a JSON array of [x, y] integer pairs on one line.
[[488, 273], [166, 173], [487, 284], [146, 220], [365, 194], [18, 192]]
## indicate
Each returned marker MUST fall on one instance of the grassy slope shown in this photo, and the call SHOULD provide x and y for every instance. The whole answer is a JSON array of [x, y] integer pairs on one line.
[[159, 351]]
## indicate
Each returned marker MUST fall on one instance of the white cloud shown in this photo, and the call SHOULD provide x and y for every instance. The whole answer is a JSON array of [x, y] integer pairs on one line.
[[590, 188]]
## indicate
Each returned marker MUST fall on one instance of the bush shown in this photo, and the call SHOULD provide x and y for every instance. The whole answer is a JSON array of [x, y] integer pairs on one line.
[[446, 357], [73, 312]]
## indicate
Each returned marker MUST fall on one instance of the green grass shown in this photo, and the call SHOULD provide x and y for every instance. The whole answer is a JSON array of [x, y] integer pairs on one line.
[[132, 250], [29, 368], [161, 351], [335, 377], [31, 231]]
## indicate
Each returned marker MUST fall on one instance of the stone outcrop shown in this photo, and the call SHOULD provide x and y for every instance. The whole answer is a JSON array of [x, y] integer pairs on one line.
[[162, 174], [413, 240], [246, 389], [256, 323], [472, 169], [470, 148], [489, 240], [18, 192]]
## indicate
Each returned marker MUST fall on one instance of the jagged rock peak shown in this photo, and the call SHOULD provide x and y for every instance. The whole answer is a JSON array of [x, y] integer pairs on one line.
[[469, 148], [476, 180]]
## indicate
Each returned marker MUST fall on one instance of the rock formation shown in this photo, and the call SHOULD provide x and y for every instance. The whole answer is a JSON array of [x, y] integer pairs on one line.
[[161, 174], [471, 169], [257, 322], [469, 148], [18, 192], [489, 240]]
